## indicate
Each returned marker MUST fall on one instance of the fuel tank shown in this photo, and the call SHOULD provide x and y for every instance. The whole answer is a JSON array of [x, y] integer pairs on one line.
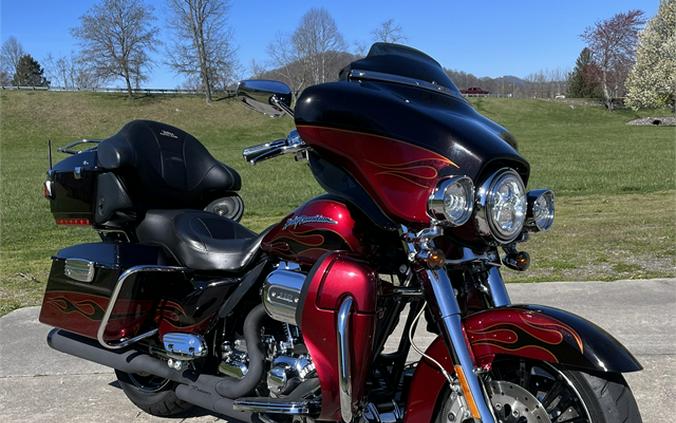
[[389, 126], [320, 225]]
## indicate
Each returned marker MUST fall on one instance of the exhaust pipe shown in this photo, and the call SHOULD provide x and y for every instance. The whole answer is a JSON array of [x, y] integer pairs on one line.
[[200, 390]]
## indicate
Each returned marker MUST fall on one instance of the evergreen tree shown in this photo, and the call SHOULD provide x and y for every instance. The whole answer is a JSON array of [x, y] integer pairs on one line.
[[29, 73], [652, 81], [583, 80]]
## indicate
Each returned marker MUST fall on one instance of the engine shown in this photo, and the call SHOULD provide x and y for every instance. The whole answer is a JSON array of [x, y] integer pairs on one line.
[[286, 360]]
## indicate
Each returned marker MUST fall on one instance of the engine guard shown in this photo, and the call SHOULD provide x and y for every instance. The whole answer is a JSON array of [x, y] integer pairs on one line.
[[528, 331]]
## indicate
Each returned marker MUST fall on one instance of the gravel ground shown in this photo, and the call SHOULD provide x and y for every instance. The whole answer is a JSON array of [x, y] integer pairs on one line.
[[654, 121]]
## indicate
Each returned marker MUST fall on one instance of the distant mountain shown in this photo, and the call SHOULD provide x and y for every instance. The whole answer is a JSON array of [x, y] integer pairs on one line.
[[299, 75]]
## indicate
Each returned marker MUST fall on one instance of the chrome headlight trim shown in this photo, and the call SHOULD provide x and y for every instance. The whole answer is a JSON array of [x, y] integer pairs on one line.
[[484, 219], [541, 210], [437, 206]]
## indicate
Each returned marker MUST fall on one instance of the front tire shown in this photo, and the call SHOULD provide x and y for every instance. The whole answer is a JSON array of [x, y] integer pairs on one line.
[[523, 391], [154, 395]]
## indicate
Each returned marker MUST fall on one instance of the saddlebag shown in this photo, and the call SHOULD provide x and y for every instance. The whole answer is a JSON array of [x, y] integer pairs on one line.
[[82, 280], [153, 296]]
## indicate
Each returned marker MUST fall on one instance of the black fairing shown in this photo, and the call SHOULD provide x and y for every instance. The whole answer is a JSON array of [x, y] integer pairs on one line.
[[164, 167], [441, 122]]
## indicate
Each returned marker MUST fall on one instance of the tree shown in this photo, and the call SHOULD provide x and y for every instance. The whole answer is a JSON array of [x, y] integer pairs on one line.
[[116, 36], [5, 78], [29, 73], [312, 54], [583, 80], [613, 46], [388, 32], [652, 80], [203, 49], [69, 72], [10, 53]]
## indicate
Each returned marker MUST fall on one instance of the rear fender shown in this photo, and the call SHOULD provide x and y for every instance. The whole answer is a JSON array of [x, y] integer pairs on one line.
[[527, 331]]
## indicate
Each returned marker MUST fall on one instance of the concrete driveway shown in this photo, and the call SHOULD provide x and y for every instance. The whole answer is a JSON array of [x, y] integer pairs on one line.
[[38, 384]]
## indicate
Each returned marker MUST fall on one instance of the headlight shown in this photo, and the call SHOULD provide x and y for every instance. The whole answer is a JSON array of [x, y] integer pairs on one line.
[[452, 201], [502, 206], [540, 216]]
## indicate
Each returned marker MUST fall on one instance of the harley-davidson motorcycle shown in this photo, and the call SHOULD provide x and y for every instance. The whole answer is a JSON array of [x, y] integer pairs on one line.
[[425, 202]]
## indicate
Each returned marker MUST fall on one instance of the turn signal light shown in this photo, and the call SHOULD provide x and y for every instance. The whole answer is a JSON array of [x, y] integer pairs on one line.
[[432, 258], [517, 260], [82, 221]]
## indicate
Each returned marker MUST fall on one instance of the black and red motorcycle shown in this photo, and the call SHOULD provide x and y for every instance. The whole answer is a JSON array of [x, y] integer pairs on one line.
[[425, 201]]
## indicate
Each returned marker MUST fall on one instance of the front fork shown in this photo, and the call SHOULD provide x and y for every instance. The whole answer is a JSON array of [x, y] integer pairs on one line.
[[442, 299]]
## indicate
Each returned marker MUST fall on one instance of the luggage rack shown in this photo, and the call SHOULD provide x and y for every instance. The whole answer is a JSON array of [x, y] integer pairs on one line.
[[70, 148], [124, 342]]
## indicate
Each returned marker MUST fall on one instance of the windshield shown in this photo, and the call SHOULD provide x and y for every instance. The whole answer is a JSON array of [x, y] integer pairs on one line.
[[396, 59]]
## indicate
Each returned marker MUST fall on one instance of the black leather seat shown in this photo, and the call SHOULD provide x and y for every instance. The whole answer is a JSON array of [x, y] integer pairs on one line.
[[165, 167], [200, 240]]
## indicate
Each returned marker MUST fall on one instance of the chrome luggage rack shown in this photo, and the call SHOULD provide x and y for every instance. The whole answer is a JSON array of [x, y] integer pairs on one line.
[[124, 342], [70, 148]]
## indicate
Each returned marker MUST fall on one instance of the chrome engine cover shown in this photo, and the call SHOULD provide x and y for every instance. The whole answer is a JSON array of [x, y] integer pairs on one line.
[[184, 346], [287, 373], [281, 294]]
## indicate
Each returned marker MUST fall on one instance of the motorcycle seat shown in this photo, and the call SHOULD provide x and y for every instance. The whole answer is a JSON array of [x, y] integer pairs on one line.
[[200, 240]]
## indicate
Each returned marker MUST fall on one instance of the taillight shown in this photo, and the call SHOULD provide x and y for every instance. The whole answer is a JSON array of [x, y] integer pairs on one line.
[[47, 190], [73, 221]]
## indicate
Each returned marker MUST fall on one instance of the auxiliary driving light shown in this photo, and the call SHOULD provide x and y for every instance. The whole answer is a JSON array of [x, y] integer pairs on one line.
[[452, 201], [540, 215]]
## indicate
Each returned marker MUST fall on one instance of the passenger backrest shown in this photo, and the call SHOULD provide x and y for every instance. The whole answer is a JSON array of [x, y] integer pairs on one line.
[[164, 167]]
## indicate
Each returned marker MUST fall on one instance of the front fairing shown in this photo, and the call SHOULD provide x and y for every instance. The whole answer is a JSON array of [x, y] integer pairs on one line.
[[397, 141]]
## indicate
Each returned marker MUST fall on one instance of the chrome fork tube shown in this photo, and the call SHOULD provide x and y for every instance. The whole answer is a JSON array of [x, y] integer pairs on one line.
[[497, 288], [440, 295]]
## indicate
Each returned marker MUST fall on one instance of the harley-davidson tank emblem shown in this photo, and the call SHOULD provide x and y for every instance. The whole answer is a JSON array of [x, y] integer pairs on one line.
[[296, 221]]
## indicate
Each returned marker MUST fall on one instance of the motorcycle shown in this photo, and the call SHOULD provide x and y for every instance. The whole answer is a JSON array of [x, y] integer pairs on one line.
[[425, 202]]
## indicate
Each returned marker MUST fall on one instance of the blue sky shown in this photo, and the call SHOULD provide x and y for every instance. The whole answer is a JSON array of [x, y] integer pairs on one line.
[[484, 37]]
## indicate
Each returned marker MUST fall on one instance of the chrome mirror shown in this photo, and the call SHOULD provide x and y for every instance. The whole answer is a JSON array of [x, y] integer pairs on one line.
[[272, 98]]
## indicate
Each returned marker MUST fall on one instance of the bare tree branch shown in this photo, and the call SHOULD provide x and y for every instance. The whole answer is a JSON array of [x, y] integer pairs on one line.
[[10, 54], [388, 32], [311, 54], [116, 36], [202, 49]]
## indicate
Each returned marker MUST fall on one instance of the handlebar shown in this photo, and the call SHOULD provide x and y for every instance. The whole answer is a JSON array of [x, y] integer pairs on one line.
[[258, 153]]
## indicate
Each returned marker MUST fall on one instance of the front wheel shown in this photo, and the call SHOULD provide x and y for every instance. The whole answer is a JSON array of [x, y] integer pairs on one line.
[[523, 391], [152, 394]]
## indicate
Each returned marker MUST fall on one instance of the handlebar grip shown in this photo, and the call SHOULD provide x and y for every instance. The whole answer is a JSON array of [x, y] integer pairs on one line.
[[263, 151]]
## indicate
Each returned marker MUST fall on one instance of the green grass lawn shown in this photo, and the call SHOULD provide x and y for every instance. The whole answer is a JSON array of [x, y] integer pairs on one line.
[[615, 183]]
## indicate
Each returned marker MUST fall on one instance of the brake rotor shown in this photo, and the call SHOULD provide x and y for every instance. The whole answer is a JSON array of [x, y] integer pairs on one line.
[[514, 404]]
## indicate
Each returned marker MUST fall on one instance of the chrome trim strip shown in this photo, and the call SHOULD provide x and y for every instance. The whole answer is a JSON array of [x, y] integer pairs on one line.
[[344, 364], [79, 269], [113, 299], [263, 406], [497, 288], [364, 75]]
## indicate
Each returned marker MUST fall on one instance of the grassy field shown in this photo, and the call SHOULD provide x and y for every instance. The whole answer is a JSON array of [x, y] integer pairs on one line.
[[615, 183]]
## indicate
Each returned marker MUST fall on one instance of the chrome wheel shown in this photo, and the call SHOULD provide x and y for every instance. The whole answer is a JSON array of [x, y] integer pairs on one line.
[[514, 404], [523, 391]]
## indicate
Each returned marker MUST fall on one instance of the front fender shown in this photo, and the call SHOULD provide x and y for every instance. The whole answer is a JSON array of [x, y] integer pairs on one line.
[[527, 331]]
